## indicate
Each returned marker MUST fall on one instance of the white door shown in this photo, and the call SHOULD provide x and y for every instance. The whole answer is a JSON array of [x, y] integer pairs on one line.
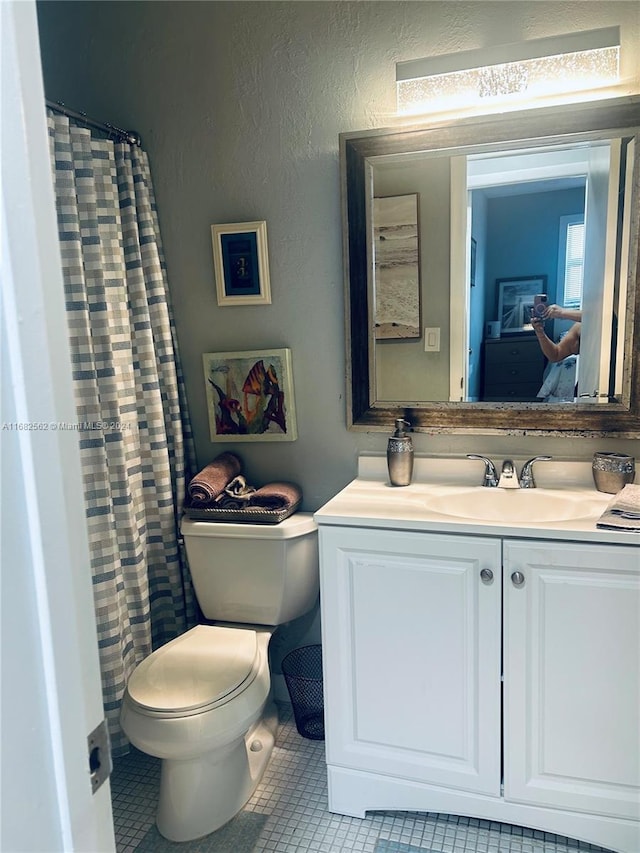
[[411, 646], [601, 213], [572, 677], [51, 698], [460, 265], [624, 317]]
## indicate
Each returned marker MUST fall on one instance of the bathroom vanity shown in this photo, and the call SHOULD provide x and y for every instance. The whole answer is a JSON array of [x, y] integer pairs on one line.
[[481, 650]]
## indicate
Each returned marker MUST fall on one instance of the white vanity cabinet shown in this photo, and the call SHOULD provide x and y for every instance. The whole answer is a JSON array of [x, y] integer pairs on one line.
[[485, 676]]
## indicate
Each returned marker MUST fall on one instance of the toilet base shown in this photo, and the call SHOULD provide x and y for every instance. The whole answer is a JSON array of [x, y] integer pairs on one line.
[[199, 795]]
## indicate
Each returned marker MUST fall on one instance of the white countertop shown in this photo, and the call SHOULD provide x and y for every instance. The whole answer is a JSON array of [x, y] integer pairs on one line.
[[371, 501]]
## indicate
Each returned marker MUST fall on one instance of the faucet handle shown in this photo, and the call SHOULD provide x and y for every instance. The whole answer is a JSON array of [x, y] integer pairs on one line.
[[490, 474], [526, 475]]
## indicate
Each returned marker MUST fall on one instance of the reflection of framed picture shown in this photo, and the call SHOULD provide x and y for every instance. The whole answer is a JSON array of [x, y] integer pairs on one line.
[[241, 263], [515, 301], [396, 255], [250, 395]]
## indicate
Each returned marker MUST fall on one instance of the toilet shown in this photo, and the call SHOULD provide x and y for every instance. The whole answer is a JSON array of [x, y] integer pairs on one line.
[[203, 702]]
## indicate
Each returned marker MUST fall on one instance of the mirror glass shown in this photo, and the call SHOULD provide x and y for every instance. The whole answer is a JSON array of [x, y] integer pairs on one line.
[[458, 234]]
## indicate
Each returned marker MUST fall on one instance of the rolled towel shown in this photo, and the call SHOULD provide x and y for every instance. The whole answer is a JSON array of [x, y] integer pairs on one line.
[[276, 496], [212, 480]]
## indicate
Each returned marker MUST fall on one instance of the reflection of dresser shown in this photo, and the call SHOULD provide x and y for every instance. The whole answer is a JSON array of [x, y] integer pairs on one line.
[[513, 369]]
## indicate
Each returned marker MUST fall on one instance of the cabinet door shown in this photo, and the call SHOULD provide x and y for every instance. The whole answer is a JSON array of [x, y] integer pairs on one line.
[[411, 639], [572, 677]]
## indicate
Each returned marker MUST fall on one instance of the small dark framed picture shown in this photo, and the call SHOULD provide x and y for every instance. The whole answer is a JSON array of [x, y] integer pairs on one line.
[[241, 263]]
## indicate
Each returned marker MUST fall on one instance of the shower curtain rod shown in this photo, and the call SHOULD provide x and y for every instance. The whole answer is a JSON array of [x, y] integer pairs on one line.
[[130, 136]]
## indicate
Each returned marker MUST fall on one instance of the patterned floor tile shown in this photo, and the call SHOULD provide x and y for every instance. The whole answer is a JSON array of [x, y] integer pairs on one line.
[[288, 813]]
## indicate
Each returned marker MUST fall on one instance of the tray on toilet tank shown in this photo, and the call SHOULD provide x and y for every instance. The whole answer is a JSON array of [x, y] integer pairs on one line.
[[250, 515]]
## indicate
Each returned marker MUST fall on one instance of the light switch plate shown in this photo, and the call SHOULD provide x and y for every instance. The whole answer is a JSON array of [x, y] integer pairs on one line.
[[432, 339]]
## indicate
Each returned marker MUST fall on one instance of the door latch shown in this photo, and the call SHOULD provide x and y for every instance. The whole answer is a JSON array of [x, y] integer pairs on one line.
[[99, 751]]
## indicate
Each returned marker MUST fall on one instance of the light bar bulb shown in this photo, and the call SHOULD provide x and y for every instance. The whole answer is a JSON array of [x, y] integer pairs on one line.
[[529, 70]]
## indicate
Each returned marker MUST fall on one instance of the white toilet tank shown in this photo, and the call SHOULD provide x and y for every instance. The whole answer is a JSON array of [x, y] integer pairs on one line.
[[256, 574]]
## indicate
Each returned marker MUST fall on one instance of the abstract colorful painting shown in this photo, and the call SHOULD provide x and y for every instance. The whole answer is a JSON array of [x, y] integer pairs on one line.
[[250, 395]]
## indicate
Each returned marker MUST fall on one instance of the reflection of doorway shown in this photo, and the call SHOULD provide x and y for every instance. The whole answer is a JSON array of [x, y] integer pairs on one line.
[[521, 227], [512, 209]]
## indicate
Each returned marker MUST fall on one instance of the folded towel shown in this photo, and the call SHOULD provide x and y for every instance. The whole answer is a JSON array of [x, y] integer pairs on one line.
[[276, 496], [627, 501], [236, 494], [212, 480], [623, 510], [225, 501], [238, 488]]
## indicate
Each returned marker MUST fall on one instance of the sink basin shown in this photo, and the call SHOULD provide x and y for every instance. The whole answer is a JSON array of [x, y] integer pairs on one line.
[[512, 505]]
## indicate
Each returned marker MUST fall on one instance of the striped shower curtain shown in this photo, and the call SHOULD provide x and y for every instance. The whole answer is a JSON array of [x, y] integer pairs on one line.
[[133, 429]]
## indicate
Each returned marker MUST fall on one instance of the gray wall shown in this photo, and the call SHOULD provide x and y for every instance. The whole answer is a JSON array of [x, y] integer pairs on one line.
[[404, 371], [523, 235], [239, 105]]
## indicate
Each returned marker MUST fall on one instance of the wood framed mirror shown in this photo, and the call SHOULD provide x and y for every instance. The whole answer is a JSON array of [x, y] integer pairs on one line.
[[439, 390]]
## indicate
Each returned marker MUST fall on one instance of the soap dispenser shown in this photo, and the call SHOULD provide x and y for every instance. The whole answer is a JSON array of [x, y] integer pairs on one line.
[[400, 455]]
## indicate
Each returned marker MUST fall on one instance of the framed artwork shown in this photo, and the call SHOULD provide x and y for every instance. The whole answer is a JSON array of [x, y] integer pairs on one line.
[[250, 395], [241, 263], [396, 267], [515, 301]]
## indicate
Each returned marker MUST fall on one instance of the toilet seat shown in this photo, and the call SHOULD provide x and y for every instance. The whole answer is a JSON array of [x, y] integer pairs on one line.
[[201, 670]]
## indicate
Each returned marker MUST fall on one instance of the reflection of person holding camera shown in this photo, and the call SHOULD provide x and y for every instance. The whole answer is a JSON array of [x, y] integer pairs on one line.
[[569, 344]]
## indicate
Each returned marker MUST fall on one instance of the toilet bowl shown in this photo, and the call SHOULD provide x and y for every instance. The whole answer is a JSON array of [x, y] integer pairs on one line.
[[199, 704], [202, 702]]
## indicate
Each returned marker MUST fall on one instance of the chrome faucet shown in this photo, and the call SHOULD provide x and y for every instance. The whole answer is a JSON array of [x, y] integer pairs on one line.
[[508, 476], [490, 474], [526, 475]]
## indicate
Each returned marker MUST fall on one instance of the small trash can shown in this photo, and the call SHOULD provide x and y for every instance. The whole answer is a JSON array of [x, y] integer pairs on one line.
[[302, 670]]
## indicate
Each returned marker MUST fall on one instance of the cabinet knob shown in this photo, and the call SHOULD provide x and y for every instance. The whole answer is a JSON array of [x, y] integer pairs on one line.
[[517, 578], [486, 575]]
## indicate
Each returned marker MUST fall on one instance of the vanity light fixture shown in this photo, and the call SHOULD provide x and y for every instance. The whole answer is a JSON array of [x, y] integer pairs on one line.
[[524, 71]]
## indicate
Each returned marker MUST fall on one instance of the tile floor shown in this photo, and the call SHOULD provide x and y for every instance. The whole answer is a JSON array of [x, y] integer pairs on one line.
[[291, 802]]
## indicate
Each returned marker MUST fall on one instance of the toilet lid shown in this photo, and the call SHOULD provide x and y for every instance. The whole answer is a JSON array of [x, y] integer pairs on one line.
[[195, 670]]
